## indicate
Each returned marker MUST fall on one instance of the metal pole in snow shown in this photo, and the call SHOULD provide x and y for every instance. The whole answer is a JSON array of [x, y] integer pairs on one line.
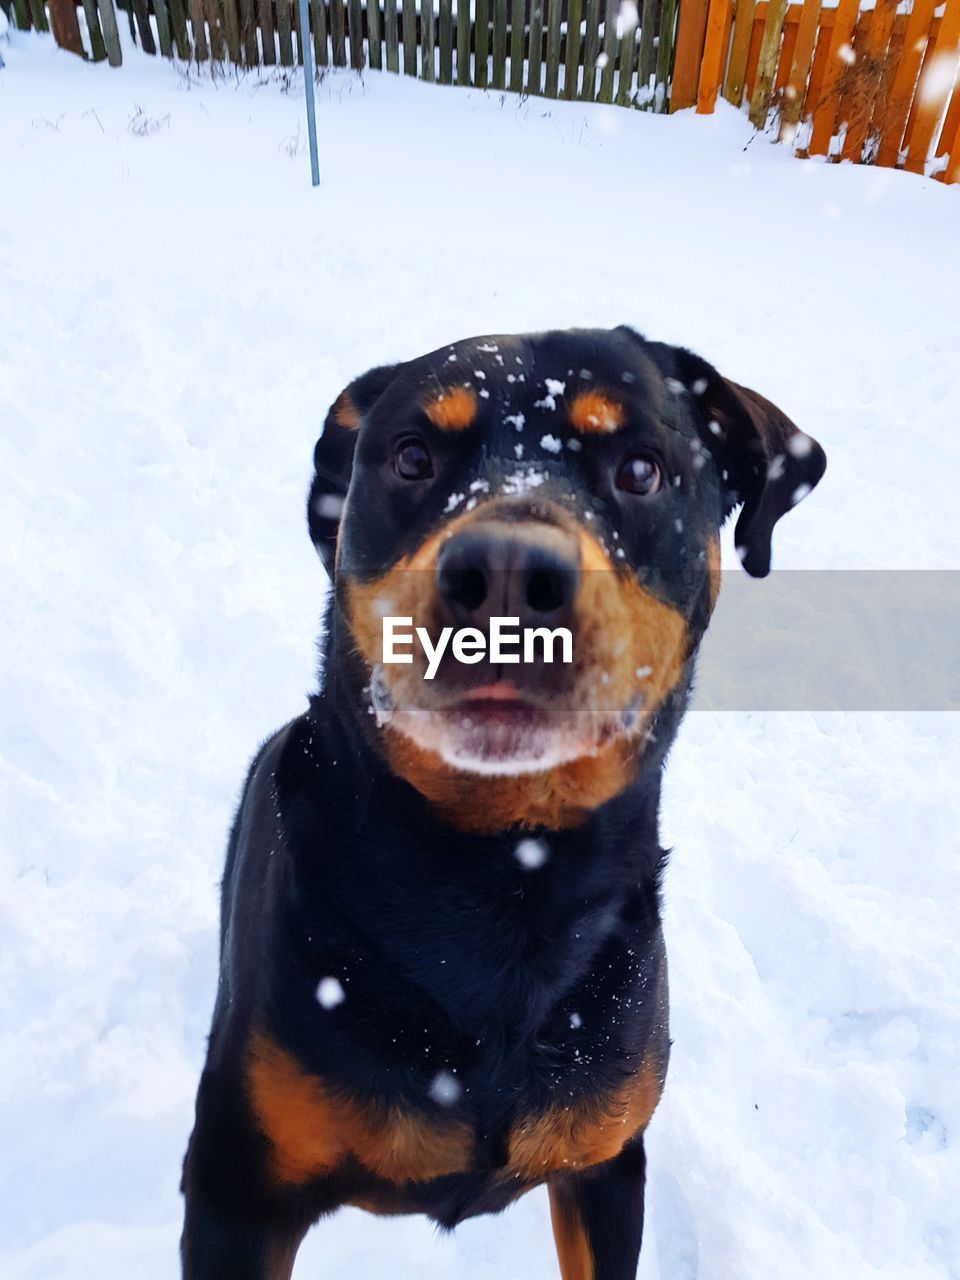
[[307, 48]]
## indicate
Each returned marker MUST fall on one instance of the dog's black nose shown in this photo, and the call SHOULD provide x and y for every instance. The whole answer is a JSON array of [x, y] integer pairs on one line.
[[530, 572]]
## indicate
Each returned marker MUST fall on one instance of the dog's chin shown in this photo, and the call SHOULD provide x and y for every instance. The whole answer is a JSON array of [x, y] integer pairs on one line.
[[502, 738]]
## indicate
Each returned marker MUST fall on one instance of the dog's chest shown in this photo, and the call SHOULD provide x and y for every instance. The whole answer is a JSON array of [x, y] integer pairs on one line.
[[315, 1130]]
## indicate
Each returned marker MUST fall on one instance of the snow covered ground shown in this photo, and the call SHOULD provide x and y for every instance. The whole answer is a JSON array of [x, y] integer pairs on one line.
[[177, 309]]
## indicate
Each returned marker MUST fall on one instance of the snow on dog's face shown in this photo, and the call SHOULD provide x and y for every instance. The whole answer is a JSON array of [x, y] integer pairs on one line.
[[570, 480]]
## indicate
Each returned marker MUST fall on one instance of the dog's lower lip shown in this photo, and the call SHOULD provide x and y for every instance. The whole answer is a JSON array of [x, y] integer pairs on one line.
[[501, 691], [477, 712]]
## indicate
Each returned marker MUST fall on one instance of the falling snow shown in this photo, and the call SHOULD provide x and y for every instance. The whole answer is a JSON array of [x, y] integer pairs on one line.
[[445, 1088], [330, 993], [531, 854]]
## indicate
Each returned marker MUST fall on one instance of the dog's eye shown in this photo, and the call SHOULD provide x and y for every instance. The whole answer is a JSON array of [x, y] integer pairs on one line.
[[411, 460], [639, 474]]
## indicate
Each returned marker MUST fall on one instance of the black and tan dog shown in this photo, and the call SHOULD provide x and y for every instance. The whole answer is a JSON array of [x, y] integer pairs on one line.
[[442, 970]]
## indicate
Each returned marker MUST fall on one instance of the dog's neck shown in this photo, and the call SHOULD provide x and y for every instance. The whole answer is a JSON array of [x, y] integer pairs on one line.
[[549, 922]]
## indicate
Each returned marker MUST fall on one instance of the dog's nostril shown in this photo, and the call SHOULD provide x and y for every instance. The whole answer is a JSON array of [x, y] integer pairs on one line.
[[546, 590], [465, 586]]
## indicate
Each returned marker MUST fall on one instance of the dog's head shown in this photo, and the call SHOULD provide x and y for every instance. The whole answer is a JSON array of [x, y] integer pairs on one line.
[[569, 480]]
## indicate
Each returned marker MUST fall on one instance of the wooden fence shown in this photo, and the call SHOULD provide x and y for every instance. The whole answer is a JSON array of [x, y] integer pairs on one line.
[[873, 85]]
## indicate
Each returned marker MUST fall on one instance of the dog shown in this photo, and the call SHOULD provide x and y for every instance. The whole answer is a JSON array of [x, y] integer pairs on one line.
[[442, 971]]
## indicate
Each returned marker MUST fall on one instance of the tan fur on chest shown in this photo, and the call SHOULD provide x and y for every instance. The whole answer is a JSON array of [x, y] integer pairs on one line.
[[313, 1129], [588, 1132]]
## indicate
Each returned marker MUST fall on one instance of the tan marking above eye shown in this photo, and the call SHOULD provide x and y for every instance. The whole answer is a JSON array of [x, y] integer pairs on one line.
[[597, 412], [453, 410]]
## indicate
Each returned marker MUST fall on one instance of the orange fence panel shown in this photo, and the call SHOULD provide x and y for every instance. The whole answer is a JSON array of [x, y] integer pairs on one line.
[[952, 171], [739, 47], [790, 30], [835, 67], [931, 98], [711, 67], [870, 48], [905, 80], [795, 91], [691, 27], [951, 123], [753, 53], [767, 62]]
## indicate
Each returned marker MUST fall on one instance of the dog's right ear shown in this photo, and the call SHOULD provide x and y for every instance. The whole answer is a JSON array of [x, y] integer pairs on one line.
[[333, 458]]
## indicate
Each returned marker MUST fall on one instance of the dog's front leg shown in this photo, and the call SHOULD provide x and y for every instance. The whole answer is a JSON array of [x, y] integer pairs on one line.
[[598, 1217], [218, 1244]]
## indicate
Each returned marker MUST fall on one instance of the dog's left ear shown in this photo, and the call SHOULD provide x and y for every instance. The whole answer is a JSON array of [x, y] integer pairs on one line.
[[333, 458], [772, 464]]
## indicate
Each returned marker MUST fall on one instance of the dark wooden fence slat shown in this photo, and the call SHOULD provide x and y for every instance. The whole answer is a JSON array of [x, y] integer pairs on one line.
[[571, 71], [111, 36], [178, 28], [609, 51], [390, 34], [517, 20], [355, 34], [668, 17], [21, 15], [38, 15], [124, 6], [318, 13], [409, 37], [267, 36], [446, 42], [231, 13], [427, 40], [499, 44], [535, 53], [463, 42], [248, 33], [553, 48], [231, 28], [481, 70], [98, 50], [284, 33], [646, 54], [628, 54], [374, 47], [591, 49], [338, 42], [162, 15], [214, 29]]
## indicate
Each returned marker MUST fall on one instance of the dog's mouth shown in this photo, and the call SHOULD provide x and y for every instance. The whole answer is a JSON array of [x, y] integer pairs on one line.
[[501, 729]]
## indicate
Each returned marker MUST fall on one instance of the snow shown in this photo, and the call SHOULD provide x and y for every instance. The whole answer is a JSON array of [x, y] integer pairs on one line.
[[330, 993], [531, 854], [445, 1088], [178, 309]]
